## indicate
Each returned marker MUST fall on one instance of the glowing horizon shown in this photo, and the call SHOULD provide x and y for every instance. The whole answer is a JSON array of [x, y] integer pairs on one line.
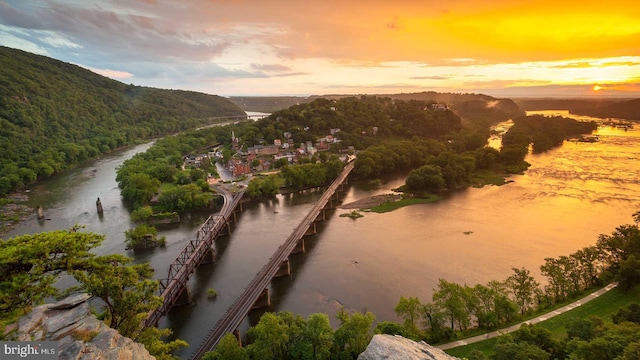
[[538, 48]]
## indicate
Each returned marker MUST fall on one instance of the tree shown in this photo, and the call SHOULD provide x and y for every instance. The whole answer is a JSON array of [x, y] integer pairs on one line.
[[196, 174], [631, 313], [408, 309], [142, 214], [227, 349], [125, 289], [270, 338], [142, 237], [523, 288], [433, 319], [580, 328], [614, 248], [30, 265], [450, 298], [556, 271], [140, 188], [151, 338], [629, 274], [427, 178], [353, 335], [319, 334]]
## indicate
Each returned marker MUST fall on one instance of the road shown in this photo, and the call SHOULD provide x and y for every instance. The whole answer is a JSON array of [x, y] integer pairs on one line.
[[535, 320]]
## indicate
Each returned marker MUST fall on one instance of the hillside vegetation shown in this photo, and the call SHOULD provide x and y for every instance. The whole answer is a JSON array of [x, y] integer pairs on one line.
[[54, 115]]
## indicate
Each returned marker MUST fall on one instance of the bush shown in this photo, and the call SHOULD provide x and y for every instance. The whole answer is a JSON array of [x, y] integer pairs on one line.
[[143, 237]]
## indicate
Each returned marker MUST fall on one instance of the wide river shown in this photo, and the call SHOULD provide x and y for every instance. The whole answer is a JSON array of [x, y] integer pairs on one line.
[[563, 202]]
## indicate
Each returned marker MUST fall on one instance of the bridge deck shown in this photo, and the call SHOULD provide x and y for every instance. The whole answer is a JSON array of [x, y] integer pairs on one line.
[[191, 257], [240, 308]]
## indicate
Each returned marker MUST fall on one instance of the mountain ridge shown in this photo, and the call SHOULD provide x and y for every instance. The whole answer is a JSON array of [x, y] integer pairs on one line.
[[55, 115]]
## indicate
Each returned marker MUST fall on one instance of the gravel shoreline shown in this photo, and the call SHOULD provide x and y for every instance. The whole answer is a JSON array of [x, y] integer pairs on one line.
[[13, 210], [372, 201]]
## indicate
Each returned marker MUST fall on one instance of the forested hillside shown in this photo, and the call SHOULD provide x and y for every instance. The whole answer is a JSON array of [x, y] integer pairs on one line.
[[54, 115]]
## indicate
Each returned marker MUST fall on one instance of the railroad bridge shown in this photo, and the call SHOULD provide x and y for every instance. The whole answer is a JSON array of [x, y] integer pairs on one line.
[[256, 293], [174, 288]]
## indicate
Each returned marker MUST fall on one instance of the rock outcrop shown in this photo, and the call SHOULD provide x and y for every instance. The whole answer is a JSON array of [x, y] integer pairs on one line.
[[79, 333], [390, 347]]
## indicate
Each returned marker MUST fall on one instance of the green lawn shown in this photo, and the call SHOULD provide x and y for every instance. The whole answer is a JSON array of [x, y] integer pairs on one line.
[[603, 306], [392, 205]]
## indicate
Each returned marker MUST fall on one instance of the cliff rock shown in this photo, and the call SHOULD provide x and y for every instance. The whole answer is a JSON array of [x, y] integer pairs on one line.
[[79, 333], [390, 347]]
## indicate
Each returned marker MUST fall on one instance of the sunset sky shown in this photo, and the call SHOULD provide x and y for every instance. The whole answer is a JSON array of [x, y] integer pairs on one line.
[[559, 48]]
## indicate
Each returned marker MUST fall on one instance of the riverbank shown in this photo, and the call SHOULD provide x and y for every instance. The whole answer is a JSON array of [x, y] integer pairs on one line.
[[12, 212], [368, 203]]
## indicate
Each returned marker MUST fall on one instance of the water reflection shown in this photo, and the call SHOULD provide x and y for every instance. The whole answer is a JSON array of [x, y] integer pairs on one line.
[[561, 204]]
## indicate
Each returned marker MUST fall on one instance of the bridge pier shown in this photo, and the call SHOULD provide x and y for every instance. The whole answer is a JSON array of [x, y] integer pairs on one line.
[[285, 269], [210, 256], [184, 296], [321, 216], [299, 247], [329, 205], [226, 228], [264, 300], [311, 230]]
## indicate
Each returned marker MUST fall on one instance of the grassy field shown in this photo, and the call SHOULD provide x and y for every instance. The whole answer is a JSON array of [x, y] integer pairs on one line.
[[604, 307], [393, 205]]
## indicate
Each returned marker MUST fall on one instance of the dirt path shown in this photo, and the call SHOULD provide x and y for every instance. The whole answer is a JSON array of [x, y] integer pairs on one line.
[[535, 320]]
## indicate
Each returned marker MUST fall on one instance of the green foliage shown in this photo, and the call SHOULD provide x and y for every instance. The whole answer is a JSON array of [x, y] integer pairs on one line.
[[393, 205], [55, 115], [311, 174], [270, 338], [212, 293], [142, 214], [631, 313], [30, 264], [427, 178], [183, 198], [228, 349], [354, 214], [409, 309], [523, 287], [151, 338], [389, 328], [263, 186], [319, 335], [287, 336], [140, 188], [511, 350], [354, 333], [143, 237], [125, 289]]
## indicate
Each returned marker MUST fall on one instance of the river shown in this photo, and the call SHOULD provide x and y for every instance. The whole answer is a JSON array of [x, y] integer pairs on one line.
[[566, 199]]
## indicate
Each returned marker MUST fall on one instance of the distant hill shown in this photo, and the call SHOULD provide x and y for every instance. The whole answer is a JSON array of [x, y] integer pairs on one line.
[[268, 104], [469, 107], [602, 108], [54, 115]]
